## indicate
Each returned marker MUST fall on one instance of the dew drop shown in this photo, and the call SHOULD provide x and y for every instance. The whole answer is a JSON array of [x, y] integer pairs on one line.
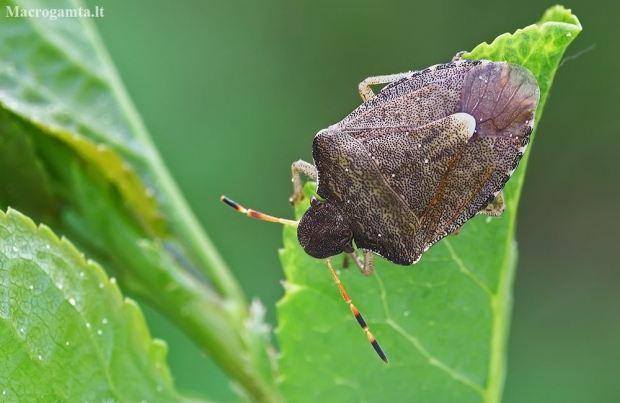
[[66, 343], [406, 313], [21, 330], [72, 301], [60, 286], [104, 321], [15, 249], [99, 332], [100, 285], [82, 273], [40, 358], [31, 287], [88, 325], [112, 280], [568, 34], [47, 246]]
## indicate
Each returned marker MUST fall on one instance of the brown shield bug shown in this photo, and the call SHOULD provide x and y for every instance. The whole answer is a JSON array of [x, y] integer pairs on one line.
[[413, 163]]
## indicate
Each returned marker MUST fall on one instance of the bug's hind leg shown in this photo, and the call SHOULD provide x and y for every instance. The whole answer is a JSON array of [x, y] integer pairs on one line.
[[493, 209], [496, 207], [364, 87], [307, 169], [459, 56]]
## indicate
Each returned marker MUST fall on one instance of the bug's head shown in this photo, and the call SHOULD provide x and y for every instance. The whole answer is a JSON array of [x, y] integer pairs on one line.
[[324, 231]]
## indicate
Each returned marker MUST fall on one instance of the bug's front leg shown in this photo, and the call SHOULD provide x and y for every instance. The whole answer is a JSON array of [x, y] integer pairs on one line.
[[368, 265], [307, 169], [364, 87]]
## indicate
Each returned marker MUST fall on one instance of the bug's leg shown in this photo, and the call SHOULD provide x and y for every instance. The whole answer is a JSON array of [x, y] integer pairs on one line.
[[493, 209], [256, 214], [459, 56], [356, 313], [345, 261], [356, 259], [307, 169], [364, 87], [496, 207], [367, 266]]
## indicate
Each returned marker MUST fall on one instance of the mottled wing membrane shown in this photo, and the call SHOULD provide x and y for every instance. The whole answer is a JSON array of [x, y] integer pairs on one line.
[[502, 98]]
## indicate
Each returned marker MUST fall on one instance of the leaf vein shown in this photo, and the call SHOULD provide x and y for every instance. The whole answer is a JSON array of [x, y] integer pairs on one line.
[[432, 360], [463, 269]]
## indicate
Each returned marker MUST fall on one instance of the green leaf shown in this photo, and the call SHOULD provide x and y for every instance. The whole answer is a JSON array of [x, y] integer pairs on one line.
[[77, 156], [66, 332], [443, 323]]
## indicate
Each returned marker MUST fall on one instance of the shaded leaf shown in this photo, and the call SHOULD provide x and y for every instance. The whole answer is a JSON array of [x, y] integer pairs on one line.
[[443, 323], [58, 82]]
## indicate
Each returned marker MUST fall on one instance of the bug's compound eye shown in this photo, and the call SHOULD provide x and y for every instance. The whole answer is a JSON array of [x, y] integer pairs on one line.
[[314, 201], [323, 231]]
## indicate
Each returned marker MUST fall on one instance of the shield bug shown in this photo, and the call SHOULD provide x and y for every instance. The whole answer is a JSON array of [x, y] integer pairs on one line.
[[413, 163]]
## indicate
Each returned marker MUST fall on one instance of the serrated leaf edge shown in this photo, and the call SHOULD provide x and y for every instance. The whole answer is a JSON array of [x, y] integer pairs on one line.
[[131, 314]]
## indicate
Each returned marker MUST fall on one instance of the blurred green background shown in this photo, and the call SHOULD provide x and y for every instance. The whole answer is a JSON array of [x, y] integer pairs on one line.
[[234, 91]]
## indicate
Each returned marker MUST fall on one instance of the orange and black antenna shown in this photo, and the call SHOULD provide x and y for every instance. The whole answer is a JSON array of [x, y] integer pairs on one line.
[[356, 313], [347, 299], [256, 214]]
